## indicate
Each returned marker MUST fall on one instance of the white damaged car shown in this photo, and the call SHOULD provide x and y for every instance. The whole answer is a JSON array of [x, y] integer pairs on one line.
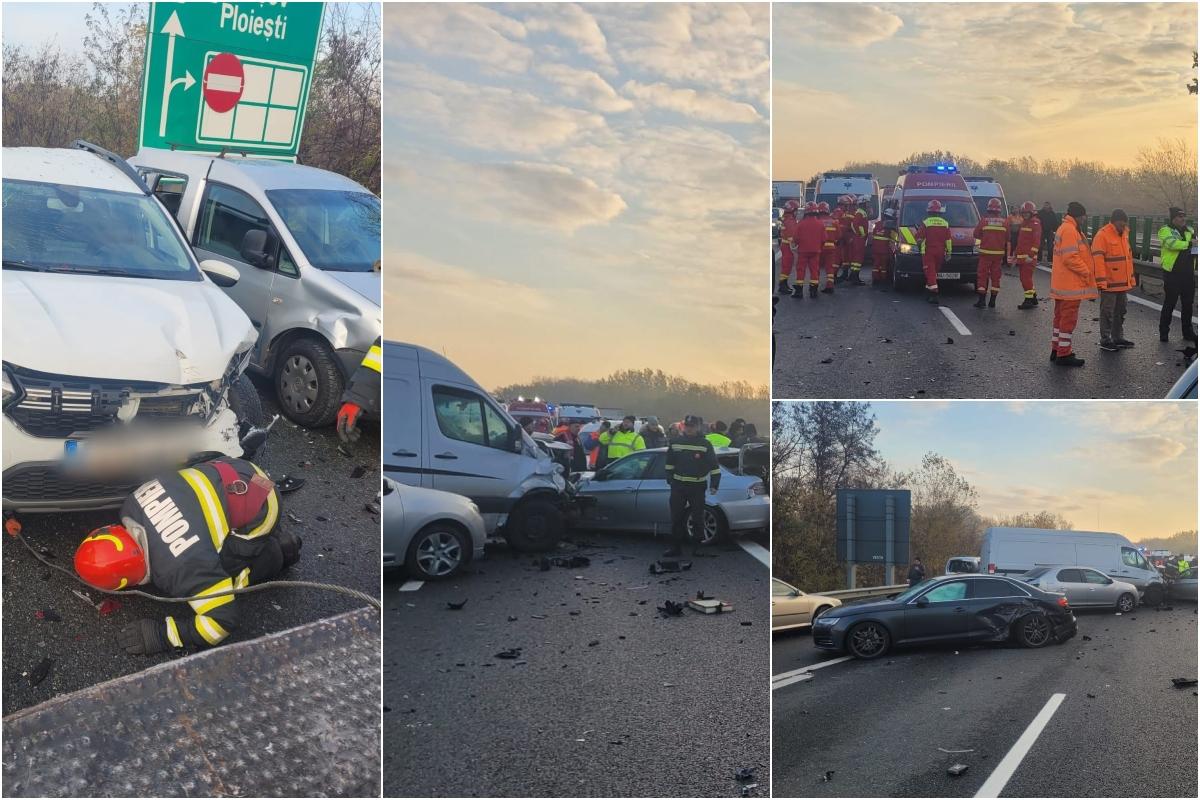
[[121, 354]]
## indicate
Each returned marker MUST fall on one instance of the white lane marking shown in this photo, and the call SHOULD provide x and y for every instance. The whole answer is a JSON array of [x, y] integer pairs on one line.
[[1135, 299], [411, 586], [1008, 765], [757, 550], [955, 321], [803, 673]]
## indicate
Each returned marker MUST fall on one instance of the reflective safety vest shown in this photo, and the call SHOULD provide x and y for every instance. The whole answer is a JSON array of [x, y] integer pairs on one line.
[[1172, 244], [992, 235], [719, 439], [1029, 238], [935, 230], [621, 443], [1113, 260], [1072, 276], [831, 232], [787, 230], [858, 223]]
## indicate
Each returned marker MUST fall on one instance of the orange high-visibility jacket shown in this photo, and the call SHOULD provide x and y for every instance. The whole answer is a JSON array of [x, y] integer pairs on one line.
[[1072, 276], [1113, 260], [810, 235], [992, 233], [831, 232]]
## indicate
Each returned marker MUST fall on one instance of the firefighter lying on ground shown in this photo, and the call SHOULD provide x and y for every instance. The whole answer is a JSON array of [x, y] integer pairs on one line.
[[198, 531]]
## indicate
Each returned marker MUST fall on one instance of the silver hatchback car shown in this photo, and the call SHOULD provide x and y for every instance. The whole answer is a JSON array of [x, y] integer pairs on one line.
[[1084, 587], [431, 534]]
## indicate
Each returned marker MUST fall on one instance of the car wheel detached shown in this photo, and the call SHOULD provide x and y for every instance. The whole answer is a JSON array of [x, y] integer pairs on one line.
[[436, 552], [535, 525], [1126, 603], [247, 407], [308, 383], [1034, 630], [868, 640]]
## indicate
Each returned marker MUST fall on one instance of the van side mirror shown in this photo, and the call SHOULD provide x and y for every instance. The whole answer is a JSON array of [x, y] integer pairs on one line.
[[258, 248], [922, 601], [516, 442]]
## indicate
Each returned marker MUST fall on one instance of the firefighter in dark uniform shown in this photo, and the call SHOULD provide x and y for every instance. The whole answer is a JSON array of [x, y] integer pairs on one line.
[[691, 467], [198, 531], [361, 394]]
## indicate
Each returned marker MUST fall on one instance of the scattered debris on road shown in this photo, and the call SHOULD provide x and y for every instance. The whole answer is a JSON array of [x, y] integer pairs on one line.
[[956, 770], [1182, 683], [452, 606]]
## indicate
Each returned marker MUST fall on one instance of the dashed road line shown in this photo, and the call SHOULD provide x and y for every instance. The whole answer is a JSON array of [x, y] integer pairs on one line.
[[411, 586], [803, 674], [757, 550], [1004, 771], [1135, 299], [955, 321]]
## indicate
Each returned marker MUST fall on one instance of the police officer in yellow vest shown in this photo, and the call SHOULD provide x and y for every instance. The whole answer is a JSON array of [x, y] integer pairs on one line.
[[717, 434], [1185, 567], [1178, 242], [622, 441]]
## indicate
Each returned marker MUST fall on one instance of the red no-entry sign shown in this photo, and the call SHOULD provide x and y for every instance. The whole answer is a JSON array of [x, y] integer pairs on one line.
[[224, 80]]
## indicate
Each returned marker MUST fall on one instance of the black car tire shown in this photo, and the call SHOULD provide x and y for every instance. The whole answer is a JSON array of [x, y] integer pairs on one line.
[[312, 362], [443, 534], [246, 405], [721, 533], [868, 640], [1035, 630], [1126, 603], [535, 525]]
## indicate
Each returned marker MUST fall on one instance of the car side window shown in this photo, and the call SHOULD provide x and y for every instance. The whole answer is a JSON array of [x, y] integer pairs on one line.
[[225, 218], [1092, 576], [1069, 576], [781, 589], [658, 469], [947, 592], [629, 468], [169, 189], [994, 587]]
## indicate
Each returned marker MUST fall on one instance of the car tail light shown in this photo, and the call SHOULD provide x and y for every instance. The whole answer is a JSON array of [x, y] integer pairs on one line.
[[1062, 601], [991, 569], [756, 489]]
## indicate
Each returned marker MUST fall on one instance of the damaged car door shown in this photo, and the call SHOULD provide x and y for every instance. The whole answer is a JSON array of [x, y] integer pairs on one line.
[[992, 606], [939, 614], [616, 491]]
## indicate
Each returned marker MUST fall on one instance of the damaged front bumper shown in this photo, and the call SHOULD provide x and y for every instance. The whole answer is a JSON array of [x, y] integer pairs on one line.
[[746, 515]]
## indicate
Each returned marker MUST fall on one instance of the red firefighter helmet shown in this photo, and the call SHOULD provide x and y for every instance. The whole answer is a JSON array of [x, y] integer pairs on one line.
[[790, 206], [110, 558], [1028, 207], [994, 205], [934, 207], [823, 207], [810, 207]]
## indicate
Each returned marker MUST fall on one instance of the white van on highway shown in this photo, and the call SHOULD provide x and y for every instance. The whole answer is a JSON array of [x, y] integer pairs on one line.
[[444, 431], [984, 188], [1014, 551], [832, 185]]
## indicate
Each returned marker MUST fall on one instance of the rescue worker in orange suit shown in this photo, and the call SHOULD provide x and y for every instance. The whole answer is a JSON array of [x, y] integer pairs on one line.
[[829, 249], [810, 239], [361, 394], [1029, 240], [883, 243], [857, 237], [934, 236], [1072, 280], [843, 215], [787, 239], [992, 234], [199, 531], [1112, 259]]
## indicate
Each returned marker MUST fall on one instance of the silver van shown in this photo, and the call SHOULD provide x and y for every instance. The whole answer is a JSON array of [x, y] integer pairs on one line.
[[1015, 551], [306, 242], [444, 431]]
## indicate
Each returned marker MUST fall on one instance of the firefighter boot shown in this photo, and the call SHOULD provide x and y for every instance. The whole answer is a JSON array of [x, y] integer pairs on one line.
[[798, 291], [992, 300], [980, 302], [1028, 303], [783, 287], [812, 290]]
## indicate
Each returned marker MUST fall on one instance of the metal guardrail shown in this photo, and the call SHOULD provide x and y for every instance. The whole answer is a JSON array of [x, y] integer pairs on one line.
[[860, 594]]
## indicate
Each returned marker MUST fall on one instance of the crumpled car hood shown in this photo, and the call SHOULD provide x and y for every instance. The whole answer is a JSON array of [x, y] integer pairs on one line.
[[135, 329], [368, 284]]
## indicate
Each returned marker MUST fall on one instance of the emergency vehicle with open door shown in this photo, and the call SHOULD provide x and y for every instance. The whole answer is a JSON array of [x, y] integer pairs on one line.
[[914, 190]]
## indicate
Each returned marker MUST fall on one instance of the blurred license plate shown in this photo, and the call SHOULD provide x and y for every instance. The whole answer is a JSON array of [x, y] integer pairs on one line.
[[950, 276]]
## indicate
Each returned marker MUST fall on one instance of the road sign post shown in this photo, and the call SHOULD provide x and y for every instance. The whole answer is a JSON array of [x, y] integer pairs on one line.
[[228, 76]]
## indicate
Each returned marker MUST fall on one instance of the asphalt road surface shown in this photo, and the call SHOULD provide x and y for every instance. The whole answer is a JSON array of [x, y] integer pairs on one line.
[[341, 546], [882, 728], [606, 696], [867, 342]]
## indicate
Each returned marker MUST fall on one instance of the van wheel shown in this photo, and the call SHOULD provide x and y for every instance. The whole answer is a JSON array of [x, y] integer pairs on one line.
[[535, 525], [1034, 630], [247, 407], [1126, 603], [308, 382], [868, 640], [716, 529]]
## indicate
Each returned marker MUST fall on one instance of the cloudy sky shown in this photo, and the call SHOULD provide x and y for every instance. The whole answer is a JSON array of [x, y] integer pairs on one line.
[[1095, 81], [1128, 467], [574, 189]]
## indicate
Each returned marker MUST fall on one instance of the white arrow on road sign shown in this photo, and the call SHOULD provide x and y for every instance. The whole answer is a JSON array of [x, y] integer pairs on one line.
[[172, 28]]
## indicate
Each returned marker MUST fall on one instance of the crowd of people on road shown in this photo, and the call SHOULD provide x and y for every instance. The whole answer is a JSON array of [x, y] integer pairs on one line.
[[814, 240], [593, 449]]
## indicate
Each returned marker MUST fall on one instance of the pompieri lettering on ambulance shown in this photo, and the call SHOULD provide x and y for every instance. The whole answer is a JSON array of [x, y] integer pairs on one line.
[[166, 517]]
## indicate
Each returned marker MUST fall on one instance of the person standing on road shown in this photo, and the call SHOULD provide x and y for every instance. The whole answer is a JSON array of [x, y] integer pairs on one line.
[[1013, 222], [653, 434], [991, 232], [1177, 241], [1072, 280], [1049, 219], [361, 394], [1029, 240], [916, 573], [810, 238], [622, 441], [859, 224], [829, 248], [569, 434], [595, 450], [198, 531], [787, 252], [691, 466], [844, 215], [1184, 567], [883, 243], [1115, 277], [717, 435], [934, 235]]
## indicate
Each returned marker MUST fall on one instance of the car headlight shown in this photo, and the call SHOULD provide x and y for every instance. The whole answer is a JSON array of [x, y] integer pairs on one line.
[[909, 249], [757, 489], [825, 620], [12, 389]]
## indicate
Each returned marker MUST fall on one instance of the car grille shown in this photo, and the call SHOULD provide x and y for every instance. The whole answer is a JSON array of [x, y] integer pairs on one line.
[[962, 250], [43, 484], [56, 409]]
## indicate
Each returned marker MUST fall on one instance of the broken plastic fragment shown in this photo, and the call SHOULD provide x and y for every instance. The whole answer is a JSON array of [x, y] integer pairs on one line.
[[1181, 683], [40, 672], [745, 774], [452, 606], [957, 769], [108, 606], [510, 653]]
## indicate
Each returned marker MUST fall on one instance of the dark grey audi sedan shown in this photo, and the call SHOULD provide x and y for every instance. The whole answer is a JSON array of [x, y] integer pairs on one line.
[[950, 608]]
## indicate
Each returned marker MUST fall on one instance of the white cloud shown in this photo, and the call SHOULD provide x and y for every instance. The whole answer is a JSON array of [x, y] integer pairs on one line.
[[459, 30], [585, 86], [691, 103], [856, 25], [572, 22]]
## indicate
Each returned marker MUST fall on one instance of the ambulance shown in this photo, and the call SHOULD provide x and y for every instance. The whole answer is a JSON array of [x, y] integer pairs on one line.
[[914, 189], [984, 188]]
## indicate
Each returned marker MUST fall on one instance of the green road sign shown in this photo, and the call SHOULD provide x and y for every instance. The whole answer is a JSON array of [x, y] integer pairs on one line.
[[231, 76]]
